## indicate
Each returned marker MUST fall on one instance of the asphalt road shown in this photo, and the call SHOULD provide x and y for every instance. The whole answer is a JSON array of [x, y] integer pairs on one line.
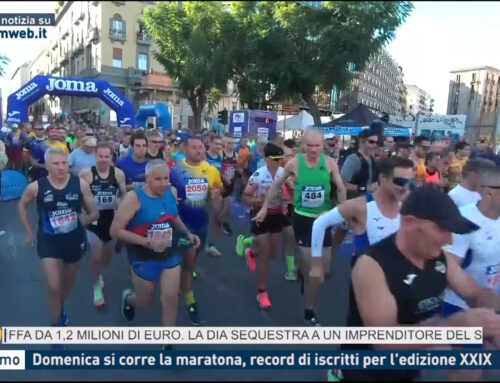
[[225, 292]]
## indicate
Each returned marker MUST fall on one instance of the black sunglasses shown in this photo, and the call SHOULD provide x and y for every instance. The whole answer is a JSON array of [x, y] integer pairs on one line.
[[491, 187], [401, 181], [373, 142]]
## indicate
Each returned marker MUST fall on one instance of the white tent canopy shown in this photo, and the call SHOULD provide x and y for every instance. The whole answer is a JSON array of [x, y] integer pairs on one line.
[[299, 122]]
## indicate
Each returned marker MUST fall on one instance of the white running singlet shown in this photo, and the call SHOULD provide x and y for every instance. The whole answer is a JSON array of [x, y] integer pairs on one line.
[[462, 197], [483, 247], [262, 178], [378, 226]]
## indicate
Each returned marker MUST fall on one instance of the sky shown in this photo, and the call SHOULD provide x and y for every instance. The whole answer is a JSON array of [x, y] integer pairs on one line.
[[437, 37]]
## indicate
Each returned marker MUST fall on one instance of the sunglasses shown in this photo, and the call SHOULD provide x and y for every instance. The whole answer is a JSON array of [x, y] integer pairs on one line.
[[276, 158], [401, 181], [491, 187], [90, 134], [157, 142], [373, 142], [38, 129]]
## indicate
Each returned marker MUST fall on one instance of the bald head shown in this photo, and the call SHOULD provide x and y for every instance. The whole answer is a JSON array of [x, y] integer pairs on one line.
[[313, 143], [313, 134]]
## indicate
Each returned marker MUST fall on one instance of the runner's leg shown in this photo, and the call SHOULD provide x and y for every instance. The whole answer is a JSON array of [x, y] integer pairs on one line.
[[170, 281], [142, 291], [53, 271], [96, 259], [69, 272]]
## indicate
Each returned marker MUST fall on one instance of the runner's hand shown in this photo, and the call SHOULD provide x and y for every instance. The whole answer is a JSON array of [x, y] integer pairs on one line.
[[194, 239], [216, 194], [261, 215], [30, 241], [372, 187], [485, 318], [158, 245]]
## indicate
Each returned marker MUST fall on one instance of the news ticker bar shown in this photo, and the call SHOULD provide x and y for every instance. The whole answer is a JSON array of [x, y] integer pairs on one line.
[[255, 359], [241, 335]]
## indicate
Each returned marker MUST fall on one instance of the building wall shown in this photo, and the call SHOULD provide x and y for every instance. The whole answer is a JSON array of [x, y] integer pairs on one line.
[[379, 87], [475, 92], [418, 101]]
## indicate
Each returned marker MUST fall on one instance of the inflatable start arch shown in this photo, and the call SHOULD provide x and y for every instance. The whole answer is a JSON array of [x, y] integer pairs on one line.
[[160, 111], [19, 101]]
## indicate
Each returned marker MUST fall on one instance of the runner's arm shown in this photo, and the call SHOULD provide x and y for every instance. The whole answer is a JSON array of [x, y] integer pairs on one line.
[[122, 186], [92, 214], [278, 183], [126, 211], [337, 179], [466, 287], [249, 198], [351, 166], [28, 196]]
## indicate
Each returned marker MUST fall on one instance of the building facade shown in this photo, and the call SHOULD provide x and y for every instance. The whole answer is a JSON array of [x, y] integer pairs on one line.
[[475, 92], [105, 40], [418, 101], [380, 87]]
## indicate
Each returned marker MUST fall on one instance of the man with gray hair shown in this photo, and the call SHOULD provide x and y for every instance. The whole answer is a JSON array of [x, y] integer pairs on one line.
[[61, 239]]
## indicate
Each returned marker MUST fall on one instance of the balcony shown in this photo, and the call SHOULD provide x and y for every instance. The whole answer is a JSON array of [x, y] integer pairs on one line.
[[66, 34], [143, 38], [80, 18], [65, 60], [117, 34], [94, 3], [78, 49], [56, 44], [92, 36]]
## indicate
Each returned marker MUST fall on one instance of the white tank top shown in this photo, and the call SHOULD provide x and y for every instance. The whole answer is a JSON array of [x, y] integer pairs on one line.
[[263, 179], [378, 226]]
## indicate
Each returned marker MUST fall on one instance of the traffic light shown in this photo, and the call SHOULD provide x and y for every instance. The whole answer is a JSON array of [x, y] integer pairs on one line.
[[222, 115]]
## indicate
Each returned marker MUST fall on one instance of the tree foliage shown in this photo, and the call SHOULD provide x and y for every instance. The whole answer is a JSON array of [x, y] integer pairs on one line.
[[190, 45], [296, 49]]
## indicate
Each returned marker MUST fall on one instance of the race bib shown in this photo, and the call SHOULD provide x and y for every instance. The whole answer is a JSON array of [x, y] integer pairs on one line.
[[493, 276], [63, 221], [161, 232], [105, 200], [197, 191], [313, 196]]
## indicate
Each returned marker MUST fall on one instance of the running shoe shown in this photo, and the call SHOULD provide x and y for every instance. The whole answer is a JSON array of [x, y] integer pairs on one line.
[[240, 246], [101, 281], [290, 276], [98, 295], [334, 375], [250, 256], [194, 315], [64, 320], [212, 251], [263, 300], [227, 229], [195, 276], [128, 311], [313, 321]]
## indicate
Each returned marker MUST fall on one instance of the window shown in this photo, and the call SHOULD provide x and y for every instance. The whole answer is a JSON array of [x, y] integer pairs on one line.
[[142, 61], [117, 25], [457, 80], [117, 57]]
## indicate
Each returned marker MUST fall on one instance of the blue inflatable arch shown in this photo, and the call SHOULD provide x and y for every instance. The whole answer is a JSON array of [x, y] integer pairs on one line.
[[159, 110], [19, 101]]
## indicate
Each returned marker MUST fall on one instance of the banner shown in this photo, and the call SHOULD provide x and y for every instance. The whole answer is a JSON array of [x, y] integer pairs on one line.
[[244, 359], [19, 101], [438, 126]]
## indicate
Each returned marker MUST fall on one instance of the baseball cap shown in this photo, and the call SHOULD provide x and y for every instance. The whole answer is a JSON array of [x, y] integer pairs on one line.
[[431, 203], [273, 151]]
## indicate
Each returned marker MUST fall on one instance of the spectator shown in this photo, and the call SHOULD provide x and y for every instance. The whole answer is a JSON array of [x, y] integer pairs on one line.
[[15, 141], [404, 150], [482, 150]]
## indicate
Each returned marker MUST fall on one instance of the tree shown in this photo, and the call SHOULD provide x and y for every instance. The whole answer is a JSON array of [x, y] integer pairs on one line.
[[4, 61], [190, 46], [297, 49]]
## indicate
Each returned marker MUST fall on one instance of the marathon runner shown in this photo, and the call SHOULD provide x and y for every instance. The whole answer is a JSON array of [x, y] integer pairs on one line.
[[462, 154], [228, 173], [148, 222], [105, 181], [134, 166], [414, 257], [422, 146], [266, 232], [256, 159], [61, 239], [197, 184], [35, 151], [124, 148], [214, 156], [372, 217], [313, 173], [477, 252], [155, 142], [83, 157], [467, 191]]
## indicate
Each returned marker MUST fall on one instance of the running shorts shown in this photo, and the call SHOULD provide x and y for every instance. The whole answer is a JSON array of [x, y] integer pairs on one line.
[[273, 224], [228, 190], [151, 270], [302, 227], [101, 229], [69, 247]]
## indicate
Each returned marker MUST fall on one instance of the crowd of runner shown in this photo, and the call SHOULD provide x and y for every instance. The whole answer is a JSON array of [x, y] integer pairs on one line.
[[425, 219]]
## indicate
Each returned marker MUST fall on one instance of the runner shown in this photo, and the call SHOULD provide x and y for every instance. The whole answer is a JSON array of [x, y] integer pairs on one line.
[[134, 166], [228, 173], [314, 171], [124, 148], [266, 232], [61, 239], [256, 159], [83, 157], [432, 166], [466, 192], [214, 156], [105, 181], [155, 142], [148, 222], [372, 217], [414, 257], [37, 146], [422, 146], [197, 183]]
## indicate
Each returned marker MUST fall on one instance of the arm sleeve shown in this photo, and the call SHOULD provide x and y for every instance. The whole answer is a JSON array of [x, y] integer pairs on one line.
[[320, 225], [351, 165]]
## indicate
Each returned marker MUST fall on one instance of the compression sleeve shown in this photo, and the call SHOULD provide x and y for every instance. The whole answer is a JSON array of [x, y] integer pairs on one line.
[[323, 222]]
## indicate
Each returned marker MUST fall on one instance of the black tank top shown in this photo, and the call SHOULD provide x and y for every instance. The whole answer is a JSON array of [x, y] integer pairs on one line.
[[418, 293], [228, 169], [159, 156], [104, 190], [58, 210]]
